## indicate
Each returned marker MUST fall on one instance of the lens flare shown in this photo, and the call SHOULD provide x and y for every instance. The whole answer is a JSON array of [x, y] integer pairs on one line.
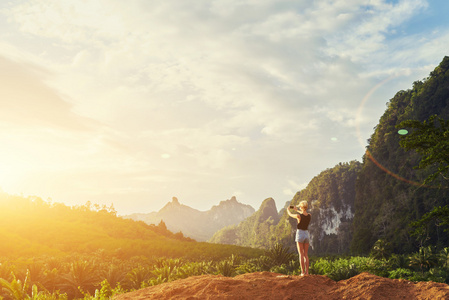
[[368, 155], [367, 152]]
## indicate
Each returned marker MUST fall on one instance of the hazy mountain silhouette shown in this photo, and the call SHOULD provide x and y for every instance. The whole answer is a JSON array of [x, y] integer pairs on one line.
[[199, 225]]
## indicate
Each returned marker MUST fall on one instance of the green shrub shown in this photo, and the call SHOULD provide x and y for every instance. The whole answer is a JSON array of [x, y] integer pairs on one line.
[[321, 266], [399, 261], [443, 257], [434, 274], [343, 268], [264, 263], [400, 273], [379, 267], [195, 269], [419, 276], [344, 272], [424, 259], [166, 273], [282, 269], [336, 270], [439, 275], [280, 255], [249, 266], [137, 276], [225, 268]]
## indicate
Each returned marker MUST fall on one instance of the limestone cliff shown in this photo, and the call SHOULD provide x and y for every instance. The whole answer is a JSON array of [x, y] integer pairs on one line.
[[331, 201], [331, 197], [254, 230]]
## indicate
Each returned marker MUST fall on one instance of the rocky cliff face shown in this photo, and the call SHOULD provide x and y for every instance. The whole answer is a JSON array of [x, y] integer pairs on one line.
[[228, 212], [331, 231], [199, 225], [331, 197], [254, 231]]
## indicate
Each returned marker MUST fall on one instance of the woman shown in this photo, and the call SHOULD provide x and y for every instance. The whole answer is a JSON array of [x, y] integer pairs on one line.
[[302, 234]]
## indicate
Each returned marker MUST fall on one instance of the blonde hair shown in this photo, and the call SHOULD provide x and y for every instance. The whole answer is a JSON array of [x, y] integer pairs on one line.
[[303, 204]]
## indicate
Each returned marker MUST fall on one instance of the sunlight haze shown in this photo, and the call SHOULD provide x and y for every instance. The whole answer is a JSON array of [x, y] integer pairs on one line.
[[135, 102]]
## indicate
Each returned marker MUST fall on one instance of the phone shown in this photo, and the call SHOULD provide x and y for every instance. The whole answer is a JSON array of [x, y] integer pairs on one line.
[[291, 207]]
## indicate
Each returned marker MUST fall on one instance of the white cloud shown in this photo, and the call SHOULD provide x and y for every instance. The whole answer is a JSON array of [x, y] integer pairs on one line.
[[71, 22], [244, 93], [365, 37]]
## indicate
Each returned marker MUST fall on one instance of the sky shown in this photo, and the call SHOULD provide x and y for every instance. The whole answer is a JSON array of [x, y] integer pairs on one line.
[[134, 102]]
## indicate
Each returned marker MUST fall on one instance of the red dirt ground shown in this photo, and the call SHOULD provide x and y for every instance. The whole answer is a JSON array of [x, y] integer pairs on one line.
[[266, 285]]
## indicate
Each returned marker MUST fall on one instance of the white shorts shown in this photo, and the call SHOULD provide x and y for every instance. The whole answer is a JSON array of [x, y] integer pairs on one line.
[[302, 236]]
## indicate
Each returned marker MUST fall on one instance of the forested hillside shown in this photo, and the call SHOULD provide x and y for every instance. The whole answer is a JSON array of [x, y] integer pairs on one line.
[[389, 194], [331, 198], [52, 251], [354, 205], [30, 227]]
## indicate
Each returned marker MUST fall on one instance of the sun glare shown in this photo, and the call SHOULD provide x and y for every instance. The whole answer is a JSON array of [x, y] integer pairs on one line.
[[12, 174]]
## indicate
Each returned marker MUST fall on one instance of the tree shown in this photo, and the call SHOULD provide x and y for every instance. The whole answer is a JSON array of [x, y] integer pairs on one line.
[[429, 138], [380, 250], [16, 289], [439, 213], [424, 259], [82, 276]]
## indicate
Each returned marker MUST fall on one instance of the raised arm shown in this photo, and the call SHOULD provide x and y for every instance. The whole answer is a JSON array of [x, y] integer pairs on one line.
[[296, 216]]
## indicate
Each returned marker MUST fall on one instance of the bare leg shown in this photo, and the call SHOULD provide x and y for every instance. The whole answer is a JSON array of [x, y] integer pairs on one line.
[[306, 258], [302, 258], [299, 252]]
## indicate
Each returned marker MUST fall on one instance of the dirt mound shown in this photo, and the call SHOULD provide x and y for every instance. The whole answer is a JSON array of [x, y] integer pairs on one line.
[[266, 285]]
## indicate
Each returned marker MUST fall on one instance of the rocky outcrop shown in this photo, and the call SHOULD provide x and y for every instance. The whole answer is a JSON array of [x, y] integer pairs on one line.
[[228, 212], [331, 196], [253, 231]]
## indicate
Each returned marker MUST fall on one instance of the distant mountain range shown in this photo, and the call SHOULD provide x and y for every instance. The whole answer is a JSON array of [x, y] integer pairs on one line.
[[198, 225]]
